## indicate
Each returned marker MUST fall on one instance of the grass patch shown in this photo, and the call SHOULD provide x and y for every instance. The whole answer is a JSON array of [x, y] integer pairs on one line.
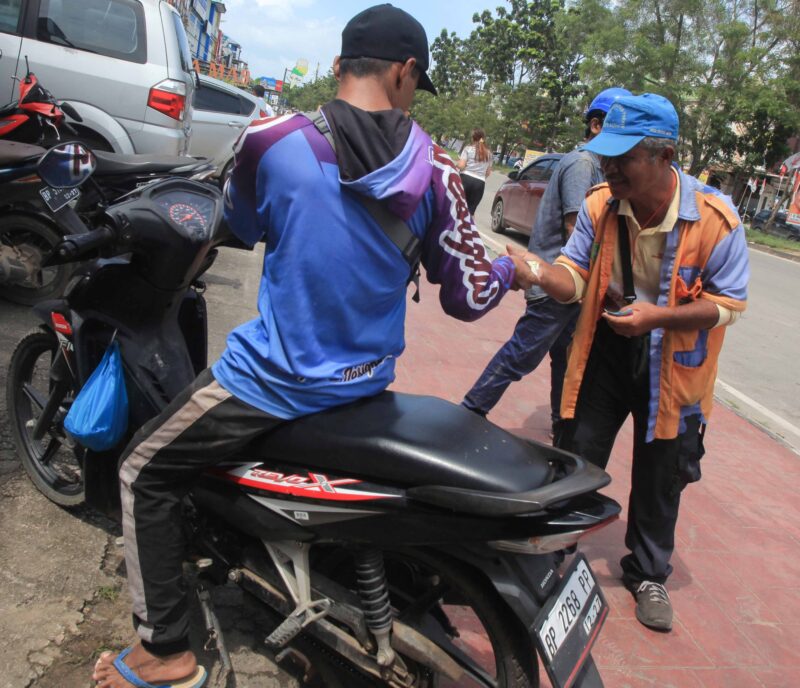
[[759, 237], [108, 592]]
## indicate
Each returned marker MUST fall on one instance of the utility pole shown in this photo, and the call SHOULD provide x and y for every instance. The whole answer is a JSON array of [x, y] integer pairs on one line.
[[316, 74]]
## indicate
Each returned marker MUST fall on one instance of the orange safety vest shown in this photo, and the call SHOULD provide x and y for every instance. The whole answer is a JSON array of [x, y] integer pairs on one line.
[[705, 257]]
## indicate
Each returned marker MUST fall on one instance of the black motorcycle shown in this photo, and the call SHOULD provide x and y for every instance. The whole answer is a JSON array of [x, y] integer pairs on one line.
[[392, 532], [28, 226]]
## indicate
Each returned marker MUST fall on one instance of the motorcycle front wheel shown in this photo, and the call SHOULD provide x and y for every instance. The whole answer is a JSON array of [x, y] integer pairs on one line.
[[31, 240], [54, 467]]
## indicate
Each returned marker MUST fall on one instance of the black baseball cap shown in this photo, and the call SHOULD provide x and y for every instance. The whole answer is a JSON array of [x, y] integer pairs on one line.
[[386, 32]]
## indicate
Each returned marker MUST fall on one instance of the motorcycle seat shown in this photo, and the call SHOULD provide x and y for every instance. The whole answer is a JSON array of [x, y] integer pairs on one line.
[[12, 152], [118, 163], [410, 441]]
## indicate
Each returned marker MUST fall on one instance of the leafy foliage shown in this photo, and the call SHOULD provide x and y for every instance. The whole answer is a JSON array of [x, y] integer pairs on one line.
[[528, 70], [725, 64], [310, 96]]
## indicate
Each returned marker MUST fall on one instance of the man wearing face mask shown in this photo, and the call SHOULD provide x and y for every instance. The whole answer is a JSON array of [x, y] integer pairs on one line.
[[660, 262]]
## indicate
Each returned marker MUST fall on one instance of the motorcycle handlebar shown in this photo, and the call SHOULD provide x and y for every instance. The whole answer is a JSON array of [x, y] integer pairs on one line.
[[78, 245], [71, 111], [227, 238]]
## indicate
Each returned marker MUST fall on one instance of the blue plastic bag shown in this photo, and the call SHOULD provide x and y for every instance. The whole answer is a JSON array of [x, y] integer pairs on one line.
[[98, 417]]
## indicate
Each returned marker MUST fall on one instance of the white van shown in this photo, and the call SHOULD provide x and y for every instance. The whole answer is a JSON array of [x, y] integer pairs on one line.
[[124, 65], [220, 113]]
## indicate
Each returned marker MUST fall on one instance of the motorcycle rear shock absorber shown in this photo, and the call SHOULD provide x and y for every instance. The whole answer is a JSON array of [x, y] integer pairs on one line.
[[374, 593]]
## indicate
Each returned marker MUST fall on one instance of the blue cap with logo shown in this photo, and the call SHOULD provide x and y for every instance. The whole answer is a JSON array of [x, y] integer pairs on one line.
[[631, 119], [605, 99]]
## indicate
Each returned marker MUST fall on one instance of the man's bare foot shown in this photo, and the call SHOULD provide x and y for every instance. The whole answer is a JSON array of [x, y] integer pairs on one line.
[[148, 667]]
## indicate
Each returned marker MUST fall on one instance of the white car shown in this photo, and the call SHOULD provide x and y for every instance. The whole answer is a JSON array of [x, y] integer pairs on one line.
[[123, 65], [221, 112]]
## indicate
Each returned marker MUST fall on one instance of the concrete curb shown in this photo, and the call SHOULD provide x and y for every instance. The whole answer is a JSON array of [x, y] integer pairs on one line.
[[795, 257]]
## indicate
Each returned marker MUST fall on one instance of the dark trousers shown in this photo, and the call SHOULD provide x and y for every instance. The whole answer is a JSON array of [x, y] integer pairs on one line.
[[616, 384], [203, 426], [473, 190], [546, 327]]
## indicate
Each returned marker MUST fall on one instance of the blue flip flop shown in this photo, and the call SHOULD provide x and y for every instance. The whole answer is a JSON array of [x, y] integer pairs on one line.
[[194, 681]]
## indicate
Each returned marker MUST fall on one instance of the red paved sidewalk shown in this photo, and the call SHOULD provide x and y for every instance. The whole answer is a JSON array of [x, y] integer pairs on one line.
[[736, 585]]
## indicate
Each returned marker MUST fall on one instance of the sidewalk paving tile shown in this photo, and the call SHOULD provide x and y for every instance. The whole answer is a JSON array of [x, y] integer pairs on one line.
[[736, 584], [652, 678], [727, 678], [626, 643], [775, 678], [777, 643]]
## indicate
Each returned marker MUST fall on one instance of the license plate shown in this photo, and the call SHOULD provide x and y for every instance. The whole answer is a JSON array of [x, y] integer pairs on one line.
[[58, 198], [569, 623]]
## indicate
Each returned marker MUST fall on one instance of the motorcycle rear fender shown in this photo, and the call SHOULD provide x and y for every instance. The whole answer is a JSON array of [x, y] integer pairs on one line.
[[29, 210], [66, 220], [524, 582]]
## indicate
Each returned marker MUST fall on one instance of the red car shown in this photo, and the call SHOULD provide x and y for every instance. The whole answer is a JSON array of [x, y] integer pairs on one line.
[[517, 201]]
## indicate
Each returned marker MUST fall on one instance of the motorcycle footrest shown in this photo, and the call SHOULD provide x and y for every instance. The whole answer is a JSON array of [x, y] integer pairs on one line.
[[284, 633], [299, 619]]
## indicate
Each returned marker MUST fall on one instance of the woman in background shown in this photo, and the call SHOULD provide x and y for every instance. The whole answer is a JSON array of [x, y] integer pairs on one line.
[[475, 165]]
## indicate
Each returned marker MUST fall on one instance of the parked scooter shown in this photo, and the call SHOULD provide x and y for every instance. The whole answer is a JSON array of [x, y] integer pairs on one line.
[[27, 228], [378, 529]]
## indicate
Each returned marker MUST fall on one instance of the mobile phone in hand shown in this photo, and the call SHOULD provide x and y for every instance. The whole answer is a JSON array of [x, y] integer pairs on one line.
[[619, 313]]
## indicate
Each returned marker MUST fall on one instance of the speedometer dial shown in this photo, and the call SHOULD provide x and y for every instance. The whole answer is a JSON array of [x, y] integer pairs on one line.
[[187, 216]]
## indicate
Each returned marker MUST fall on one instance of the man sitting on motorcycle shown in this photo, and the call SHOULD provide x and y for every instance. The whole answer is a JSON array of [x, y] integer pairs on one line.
[[331, 305]]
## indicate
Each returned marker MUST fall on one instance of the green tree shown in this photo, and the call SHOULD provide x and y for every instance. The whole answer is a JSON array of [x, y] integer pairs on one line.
[[723, 64], [524, 62], [311, 95]]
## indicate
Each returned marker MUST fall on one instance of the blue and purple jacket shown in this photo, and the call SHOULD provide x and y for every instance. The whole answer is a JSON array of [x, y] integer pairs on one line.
[[332, 298]]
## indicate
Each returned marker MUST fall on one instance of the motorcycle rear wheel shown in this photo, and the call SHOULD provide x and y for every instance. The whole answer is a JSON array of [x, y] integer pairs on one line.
[[34, 240], [461, 612], [54, 468]]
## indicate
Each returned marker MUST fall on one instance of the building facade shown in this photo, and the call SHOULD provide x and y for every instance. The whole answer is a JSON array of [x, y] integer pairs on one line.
[[201, 19]]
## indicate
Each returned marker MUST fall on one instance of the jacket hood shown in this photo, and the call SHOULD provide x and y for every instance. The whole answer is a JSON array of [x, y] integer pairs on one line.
[[381, 154]]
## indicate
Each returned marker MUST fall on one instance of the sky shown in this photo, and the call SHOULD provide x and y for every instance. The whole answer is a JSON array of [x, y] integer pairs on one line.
[[274, 34]]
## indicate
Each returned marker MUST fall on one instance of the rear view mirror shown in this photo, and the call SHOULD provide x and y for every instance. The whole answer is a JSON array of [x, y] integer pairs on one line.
[[513, 174], [67, 165]]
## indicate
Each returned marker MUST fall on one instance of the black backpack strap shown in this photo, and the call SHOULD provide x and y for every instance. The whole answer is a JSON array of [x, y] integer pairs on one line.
[[625, 256], [319, 121], [398, 231]]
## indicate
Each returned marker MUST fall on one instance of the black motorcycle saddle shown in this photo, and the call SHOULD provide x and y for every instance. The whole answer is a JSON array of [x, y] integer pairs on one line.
[[118, 163], [13, 151], [410, 440]]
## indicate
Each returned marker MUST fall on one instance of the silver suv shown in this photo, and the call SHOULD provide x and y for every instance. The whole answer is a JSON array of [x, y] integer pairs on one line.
[[124, 65]]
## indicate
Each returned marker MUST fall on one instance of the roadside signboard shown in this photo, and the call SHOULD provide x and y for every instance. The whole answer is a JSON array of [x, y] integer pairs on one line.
[[793, 212]]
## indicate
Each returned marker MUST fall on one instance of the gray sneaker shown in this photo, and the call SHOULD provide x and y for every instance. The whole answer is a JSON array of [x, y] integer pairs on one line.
[[653, 607]]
